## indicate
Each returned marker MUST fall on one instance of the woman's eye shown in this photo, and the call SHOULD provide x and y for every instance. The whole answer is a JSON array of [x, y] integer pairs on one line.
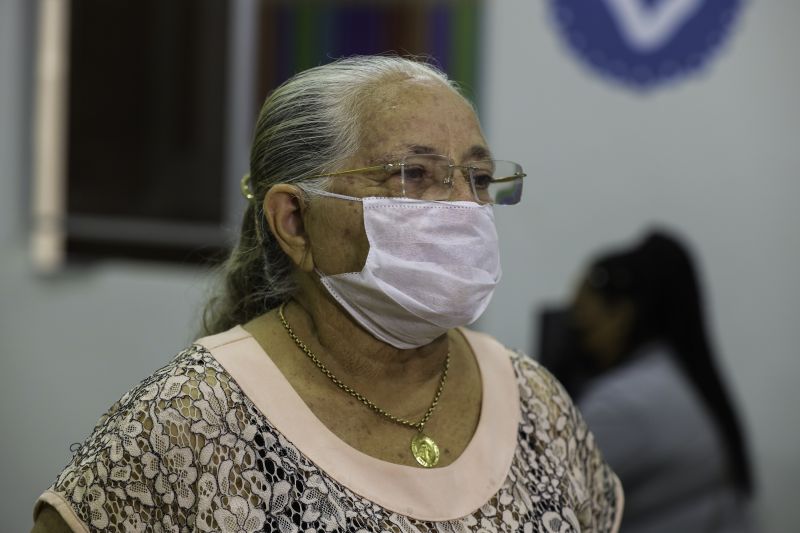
[[414, 173], [482, 181]]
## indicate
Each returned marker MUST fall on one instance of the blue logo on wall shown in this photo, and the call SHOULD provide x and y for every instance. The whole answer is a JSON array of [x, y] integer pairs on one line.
[[643, 43]]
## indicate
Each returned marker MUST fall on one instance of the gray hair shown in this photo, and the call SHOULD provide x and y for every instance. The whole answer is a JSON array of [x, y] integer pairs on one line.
[[307, 126]]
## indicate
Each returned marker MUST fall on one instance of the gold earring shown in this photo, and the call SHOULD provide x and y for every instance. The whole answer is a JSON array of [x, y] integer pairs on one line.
[[244, 186]]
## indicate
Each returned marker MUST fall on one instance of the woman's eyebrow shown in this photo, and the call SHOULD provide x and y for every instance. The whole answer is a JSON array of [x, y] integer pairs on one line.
[[477, 152], [411, 149], [420, 149]]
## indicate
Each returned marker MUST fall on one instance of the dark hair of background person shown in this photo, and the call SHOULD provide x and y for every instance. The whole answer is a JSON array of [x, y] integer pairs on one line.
[[659, 278]]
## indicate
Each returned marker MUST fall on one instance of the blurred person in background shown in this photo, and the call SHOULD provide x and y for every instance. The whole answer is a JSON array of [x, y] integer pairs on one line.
[[336, 389], [636, 356]]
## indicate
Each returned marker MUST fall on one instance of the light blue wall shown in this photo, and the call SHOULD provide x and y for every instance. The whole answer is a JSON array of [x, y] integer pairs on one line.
[[716, 157]]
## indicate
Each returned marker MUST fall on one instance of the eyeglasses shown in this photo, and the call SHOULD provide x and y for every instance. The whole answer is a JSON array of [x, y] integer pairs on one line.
[[430, 177]]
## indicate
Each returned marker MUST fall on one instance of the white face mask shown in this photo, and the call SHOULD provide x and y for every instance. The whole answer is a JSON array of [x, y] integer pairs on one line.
[[432, 266]]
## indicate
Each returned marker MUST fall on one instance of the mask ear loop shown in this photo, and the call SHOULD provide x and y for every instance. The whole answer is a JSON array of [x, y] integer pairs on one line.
[[340, 196]]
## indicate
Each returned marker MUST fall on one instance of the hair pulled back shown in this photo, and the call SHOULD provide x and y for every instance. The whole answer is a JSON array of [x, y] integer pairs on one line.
[[307, 126], [659, 277]]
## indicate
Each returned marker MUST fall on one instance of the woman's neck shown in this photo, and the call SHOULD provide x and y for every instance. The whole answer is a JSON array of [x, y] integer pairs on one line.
[[351, 352]]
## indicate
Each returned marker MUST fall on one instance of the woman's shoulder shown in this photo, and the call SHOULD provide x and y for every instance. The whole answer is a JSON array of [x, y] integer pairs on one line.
[[554, 436], [649, 383], [544, 400], [192, 380], [153, 447], [535, 382], [547, 410]]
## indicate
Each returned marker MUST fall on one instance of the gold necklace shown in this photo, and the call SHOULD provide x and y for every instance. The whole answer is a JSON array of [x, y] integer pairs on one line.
[[423, 448]]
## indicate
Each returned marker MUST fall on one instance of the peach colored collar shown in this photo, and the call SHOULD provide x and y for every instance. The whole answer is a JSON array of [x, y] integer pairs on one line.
[[435, 494]]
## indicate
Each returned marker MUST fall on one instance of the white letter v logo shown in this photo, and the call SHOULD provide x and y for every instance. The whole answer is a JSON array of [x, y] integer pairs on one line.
[[647, 29]]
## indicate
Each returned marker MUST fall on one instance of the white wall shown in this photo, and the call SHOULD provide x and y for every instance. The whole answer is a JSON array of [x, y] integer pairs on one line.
[[716, 157]]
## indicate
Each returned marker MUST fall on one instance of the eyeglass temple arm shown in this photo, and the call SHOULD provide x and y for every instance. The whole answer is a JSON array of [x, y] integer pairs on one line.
[[509, 178], [343, 172]]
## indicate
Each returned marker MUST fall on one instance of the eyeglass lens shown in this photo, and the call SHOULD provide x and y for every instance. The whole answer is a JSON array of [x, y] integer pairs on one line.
[[429, 177]]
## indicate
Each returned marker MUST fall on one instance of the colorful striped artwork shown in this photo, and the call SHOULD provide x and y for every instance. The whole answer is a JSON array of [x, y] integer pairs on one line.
[[297, 34]]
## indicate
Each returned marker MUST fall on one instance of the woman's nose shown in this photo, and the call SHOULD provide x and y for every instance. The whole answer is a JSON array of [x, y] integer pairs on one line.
[[462, 188]]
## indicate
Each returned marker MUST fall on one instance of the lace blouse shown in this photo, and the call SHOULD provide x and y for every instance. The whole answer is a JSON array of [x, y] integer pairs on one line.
[[218, 440]]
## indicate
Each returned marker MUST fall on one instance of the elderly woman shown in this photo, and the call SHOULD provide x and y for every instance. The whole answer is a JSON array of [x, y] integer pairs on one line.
[[337, 389]]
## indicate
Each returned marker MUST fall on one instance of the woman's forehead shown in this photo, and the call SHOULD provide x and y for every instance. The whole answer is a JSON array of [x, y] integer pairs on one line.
[[415, 118], [416, 98]]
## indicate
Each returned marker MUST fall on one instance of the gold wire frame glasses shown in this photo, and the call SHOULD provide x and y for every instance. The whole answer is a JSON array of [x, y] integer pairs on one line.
[[430, 177]]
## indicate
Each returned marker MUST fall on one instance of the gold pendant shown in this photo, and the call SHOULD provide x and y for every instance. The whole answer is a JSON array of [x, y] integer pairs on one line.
[[425, 450]]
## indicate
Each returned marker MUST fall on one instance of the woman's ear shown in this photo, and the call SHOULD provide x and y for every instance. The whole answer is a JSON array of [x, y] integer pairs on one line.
[[285, 209]]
